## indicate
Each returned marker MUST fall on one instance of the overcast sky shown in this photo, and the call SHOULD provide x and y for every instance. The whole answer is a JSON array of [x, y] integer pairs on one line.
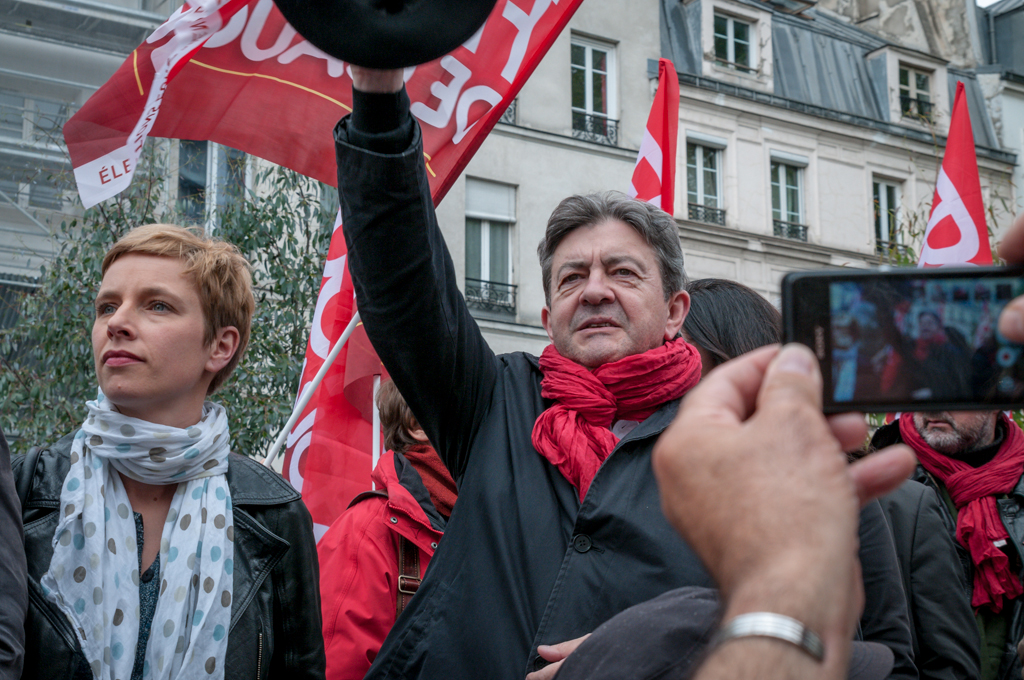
[[985, 3]]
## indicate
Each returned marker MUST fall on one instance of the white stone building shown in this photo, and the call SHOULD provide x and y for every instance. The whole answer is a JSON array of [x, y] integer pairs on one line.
[[795, 124], [1002, 77], [798, 147]]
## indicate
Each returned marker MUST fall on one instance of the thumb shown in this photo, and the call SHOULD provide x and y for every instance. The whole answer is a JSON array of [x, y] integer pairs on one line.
[[881, 472], [792, 375]]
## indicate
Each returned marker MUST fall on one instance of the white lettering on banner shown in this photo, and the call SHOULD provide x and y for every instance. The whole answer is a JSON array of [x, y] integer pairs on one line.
[[254, 28], [524, 23], [950, 205], [474, 40], [106, 176], [335, 67], [478, 93], [298, 441], [650, 150], [447, 94], [334, 272], [229, 32], [189, 28]]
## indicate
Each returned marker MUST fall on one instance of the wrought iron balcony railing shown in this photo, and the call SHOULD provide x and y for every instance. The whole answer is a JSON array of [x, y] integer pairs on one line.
[[916, 108], [894, 252], [491, 296], [703, 213], [511, 115], [791, 230], [591, 128]]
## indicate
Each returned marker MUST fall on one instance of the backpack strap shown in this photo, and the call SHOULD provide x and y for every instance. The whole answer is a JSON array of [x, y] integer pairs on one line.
[[409, 576]]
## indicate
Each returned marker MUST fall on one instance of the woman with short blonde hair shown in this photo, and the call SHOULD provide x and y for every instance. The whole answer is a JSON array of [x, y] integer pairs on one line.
[[154, 550]]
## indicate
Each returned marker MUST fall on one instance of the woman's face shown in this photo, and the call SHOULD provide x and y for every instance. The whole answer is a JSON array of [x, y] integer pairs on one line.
[[147, 341]]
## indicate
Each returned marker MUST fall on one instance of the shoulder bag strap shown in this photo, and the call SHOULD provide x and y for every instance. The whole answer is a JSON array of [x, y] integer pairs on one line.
[[408, 572]]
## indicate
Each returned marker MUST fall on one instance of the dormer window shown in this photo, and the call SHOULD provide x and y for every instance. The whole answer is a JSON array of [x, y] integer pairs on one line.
[[915, 94], [732, 43]]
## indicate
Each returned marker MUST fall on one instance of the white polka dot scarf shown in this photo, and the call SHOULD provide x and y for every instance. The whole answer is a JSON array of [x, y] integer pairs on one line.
[[94, 574]]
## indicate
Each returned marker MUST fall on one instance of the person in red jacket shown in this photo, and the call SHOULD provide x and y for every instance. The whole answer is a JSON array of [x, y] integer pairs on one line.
[[375, 553]]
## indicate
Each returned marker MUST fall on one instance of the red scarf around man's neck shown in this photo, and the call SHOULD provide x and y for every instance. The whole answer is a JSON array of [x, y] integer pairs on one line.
[[573, 433], [978, 525]]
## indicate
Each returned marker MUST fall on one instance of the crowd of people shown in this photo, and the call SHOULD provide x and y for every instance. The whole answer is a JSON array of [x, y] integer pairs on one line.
[[658, 495]]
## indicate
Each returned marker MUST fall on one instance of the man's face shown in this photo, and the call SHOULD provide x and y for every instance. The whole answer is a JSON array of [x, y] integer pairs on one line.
[[607, 300], [955, 433]]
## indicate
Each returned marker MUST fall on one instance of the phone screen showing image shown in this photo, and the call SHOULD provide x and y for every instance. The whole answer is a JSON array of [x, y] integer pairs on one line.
[[922, 340]]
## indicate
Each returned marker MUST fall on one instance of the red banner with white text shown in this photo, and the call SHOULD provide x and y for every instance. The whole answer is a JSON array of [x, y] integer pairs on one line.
[[257, 86]]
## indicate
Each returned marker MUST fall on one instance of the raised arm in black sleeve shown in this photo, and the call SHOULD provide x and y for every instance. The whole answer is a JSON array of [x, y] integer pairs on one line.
[[405, 282], [13, 585]]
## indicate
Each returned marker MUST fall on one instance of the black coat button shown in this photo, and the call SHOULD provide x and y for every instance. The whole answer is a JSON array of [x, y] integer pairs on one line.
[[582, 543]]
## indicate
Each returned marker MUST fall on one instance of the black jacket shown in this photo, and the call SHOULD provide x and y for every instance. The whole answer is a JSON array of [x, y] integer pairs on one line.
[[275, 610], [1011, 510], [13, 596], [946, 642], [523, 562]]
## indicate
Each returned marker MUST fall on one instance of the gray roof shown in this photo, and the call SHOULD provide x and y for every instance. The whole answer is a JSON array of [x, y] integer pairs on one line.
[[981, 122], [1004, 6], [824, 67], [822, 62]]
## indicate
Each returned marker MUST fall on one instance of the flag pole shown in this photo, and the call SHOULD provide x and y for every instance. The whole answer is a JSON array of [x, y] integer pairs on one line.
[[375, 453], [300, 405]]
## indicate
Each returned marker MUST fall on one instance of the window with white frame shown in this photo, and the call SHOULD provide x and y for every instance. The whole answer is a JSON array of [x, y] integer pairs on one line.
[[34, 181], [704, 183], [732, 43], [593, 91], [915, 93], [787, 200], [31, 118], [490, 219], [888, 236], [211, 177], [37, 175]]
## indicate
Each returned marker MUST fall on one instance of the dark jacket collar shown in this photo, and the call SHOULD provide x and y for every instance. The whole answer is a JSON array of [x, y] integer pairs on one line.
[[251, 484]]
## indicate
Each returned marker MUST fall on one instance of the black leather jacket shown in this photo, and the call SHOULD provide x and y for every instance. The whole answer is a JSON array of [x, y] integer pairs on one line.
[[13, 598], [275, 611]]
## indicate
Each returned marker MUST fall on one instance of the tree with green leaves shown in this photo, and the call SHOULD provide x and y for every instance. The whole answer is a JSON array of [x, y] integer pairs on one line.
[[283, 228]]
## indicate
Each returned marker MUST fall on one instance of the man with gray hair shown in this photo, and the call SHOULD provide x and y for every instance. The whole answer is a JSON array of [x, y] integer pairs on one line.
[[558, 526]]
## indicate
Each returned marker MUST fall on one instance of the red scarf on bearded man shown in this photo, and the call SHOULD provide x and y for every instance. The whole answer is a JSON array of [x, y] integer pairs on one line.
[[979, 527], [573, 434]]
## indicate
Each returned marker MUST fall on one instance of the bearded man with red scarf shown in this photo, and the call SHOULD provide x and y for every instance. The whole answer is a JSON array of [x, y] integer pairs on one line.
[[559, 524], [975, 462]]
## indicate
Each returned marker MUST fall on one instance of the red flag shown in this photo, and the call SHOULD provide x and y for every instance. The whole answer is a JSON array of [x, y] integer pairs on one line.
[[257, 86], [361, 366], [328, 451], [654, 178], [956, 232]]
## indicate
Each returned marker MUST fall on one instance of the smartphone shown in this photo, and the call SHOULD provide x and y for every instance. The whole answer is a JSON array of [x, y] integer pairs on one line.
[[908, 339]]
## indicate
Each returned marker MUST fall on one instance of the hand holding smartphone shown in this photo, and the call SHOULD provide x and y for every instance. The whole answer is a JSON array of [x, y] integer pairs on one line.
[[908, 339]]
